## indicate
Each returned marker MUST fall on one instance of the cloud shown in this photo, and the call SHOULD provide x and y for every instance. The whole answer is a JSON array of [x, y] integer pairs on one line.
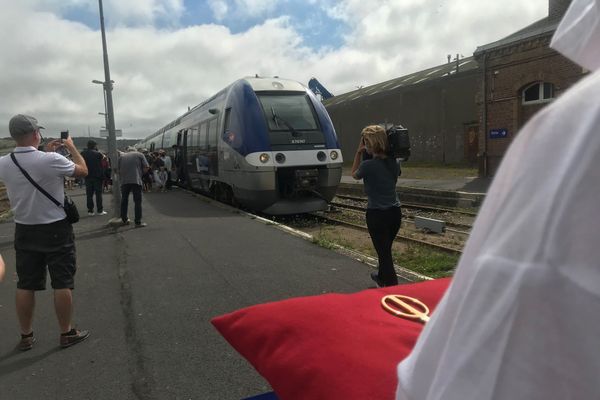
[[244, 9], [219, 8], [49, 62], [130, 12]]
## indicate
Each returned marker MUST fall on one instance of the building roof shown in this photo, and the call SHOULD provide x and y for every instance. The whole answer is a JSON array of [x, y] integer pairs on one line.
[[464, 64], [542, 27]]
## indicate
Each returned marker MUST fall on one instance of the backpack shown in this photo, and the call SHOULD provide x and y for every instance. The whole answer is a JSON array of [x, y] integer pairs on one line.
[[399, 142]]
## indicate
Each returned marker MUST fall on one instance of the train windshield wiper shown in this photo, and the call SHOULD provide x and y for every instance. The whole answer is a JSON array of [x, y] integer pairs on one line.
[[287, 124]]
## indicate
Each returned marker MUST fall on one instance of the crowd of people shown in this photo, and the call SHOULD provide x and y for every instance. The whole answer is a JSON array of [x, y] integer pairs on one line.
[[517, 321]]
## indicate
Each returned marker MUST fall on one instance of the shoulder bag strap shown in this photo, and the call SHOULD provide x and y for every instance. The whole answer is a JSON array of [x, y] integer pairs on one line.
[[38, 187]]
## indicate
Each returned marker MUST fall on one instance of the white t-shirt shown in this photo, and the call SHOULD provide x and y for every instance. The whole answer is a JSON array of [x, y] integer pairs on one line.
[[29, 205], [521, 319]]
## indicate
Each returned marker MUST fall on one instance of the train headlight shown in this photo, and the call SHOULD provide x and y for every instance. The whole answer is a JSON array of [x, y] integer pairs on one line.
[[333, 155], [264, 158], [321, 156], [280, 158]]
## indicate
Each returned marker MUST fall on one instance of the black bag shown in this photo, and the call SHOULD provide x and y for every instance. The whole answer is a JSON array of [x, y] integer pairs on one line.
[[399, 142], [68, 204], [71, 210]]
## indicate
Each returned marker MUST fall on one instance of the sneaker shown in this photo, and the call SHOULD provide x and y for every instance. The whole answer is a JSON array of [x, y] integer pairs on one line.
[[91, 213], [26, 343], [73, 337], [126, 222], [375, 277], [141, 225], [102, 213]]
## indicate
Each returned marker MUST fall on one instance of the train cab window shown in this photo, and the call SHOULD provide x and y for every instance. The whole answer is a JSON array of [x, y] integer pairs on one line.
[[227, 119], [283, 111], [539, 92]]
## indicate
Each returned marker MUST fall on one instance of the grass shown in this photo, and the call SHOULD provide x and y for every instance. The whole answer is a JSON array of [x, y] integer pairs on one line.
[[426, 261], [418, 258]]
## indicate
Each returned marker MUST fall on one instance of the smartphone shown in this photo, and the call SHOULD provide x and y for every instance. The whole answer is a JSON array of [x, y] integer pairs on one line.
[[64, 135]]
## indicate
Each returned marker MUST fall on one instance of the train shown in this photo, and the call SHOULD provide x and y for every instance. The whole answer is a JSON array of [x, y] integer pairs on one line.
[[265, 144]]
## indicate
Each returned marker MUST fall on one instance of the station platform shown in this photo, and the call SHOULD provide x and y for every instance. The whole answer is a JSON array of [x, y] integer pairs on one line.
[[147, 296]]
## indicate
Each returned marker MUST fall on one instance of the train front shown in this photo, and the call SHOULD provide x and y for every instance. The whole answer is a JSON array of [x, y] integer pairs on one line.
[[295, 163]]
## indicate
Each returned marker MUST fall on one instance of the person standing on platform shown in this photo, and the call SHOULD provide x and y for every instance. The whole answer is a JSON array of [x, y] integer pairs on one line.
[[520, 319], [132, 165], [168, 167], [94, 180], [44, 239], [380, 174]]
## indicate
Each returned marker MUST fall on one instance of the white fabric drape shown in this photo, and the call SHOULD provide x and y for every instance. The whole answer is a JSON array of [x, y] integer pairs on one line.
[[521, 319]]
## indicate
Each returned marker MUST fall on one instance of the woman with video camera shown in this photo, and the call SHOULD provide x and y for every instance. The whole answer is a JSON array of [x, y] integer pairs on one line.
[[380, 173]]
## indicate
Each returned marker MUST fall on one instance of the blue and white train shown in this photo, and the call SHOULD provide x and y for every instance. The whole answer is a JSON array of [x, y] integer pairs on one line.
[[267, 144]]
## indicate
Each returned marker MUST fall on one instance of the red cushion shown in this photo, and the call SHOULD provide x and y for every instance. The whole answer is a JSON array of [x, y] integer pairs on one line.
[[331, 346]]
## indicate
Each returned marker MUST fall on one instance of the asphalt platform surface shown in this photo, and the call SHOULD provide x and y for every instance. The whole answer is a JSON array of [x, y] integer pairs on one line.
[[147, 296]]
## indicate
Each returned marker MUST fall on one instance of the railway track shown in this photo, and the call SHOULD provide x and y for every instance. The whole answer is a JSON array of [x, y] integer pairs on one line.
[[399, 237], [416, 206], [409, 219], [448, 215]]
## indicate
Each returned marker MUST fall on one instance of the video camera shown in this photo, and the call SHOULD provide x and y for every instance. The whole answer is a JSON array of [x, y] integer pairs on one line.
[[398, 141]]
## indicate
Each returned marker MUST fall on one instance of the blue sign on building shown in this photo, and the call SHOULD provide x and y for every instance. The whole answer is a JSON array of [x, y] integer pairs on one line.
[[498, 133]]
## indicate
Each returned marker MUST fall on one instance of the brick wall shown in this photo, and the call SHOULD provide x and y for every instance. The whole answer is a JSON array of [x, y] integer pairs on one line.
[[508, 71]]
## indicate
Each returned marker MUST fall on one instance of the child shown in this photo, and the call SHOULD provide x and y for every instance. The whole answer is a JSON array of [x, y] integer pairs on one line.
[[162, 178]]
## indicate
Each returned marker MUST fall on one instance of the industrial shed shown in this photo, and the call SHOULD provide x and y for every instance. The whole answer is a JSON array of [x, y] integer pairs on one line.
[[437, 105]]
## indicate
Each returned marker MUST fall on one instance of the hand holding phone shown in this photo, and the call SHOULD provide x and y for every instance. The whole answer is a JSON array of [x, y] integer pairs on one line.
[[64, 135]]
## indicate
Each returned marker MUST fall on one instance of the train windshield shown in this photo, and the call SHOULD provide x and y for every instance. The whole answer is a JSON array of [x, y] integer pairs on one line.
[[290, 112]]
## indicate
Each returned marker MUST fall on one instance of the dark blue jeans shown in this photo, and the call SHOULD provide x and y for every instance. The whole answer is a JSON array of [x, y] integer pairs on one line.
[[383, 227], [137, 201], [93, 186]]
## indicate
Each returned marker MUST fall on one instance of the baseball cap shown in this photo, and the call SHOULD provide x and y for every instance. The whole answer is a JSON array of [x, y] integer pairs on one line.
[[22, 124]]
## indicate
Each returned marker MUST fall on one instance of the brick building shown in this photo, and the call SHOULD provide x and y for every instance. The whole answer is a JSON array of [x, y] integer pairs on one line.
[[519, 75]]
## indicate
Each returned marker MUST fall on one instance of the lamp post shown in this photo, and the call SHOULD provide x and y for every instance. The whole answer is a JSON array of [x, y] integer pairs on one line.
[[110, 125], [105, 118]]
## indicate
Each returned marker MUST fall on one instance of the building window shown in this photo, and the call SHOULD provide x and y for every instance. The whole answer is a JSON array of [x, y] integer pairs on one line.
[[539, 92]]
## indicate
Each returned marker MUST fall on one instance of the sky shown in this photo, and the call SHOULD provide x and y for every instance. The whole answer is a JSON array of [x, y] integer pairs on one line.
[[166, 55]]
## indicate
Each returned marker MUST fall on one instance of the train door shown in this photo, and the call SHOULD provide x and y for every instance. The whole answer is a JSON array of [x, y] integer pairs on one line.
[[193, 147], [212, 148], [182, 158], [202, 160]]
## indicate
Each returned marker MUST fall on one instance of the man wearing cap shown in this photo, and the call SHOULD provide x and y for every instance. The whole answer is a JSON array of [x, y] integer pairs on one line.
[[93, 182], [43, 236], [132, 165]]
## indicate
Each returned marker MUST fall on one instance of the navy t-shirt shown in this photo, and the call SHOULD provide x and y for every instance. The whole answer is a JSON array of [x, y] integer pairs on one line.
[[380, 176], [93, 161]]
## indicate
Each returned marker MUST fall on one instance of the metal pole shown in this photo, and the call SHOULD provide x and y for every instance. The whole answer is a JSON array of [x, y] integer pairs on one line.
[[110, 118]]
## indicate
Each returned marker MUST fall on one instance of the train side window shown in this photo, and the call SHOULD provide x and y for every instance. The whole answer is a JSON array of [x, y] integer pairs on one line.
[[212, 135], [193, 137], [202, 136]]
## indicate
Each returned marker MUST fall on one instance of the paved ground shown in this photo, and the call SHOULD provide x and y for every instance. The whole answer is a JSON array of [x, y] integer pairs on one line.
[[147, 296]]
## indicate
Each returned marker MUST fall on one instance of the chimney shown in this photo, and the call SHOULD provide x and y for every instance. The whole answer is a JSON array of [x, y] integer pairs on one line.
[[557, 9]]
